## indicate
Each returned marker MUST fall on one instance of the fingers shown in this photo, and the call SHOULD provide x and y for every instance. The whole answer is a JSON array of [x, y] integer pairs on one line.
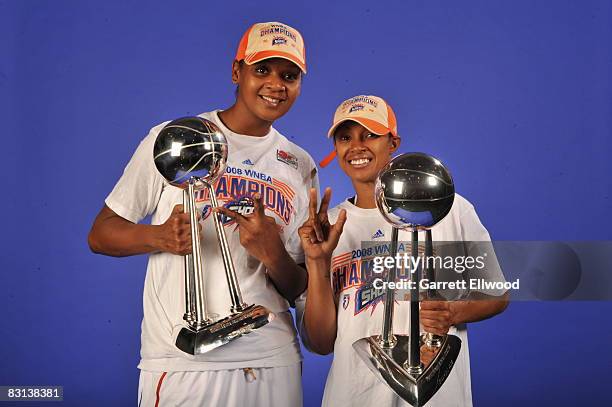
[[436, 315], [435, 326], [259, 205], [313, 217], [434, 305], [231, 214], [427, 354], [178, 222], [325, 201], [181, 232], [307, 234], [179, 237], [180, 218], [312, 204], [179, 212]]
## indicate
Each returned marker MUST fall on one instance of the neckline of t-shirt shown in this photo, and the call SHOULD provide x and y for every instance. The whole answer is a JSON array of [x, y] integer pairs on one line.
[[350, 207], [243, 138]]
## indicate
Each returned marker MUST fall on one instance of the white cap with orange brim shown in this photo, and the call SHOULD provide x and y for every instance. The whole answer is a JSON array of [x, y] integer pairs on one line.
[[272, 40], [372, 112]]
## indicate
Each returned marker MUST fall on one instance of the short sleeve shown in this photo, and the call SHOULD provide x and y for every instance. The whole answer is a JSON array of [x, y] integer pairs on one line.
[[294, 245], [138, 191], [300, 307]]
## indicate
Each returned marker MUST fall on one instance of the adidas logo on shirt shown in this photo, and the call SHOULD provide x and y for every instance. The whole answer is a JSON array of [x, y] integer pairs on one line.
[[379, 233], [248, 162]]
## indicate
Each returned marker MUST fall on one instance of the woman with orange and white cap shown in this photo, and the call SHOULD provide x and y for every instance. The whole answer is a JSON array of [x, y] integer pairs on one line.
[[262, 368], [341, 303]]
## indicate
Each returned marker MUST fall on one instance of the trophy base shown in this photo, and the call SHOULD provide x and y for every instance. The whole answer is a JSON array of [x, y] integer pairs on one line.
[[391, 367], [218, 333]]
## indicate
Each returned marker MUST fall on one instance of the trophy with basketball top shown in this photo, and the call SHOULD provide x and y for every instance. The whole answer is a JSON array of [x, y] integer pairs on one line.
[[414, 192], [191, 153]]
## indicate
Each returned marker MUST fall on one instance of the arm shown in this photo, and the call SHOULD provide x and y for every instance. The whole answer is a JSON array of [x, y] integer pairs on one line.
[[319, 239], [474, 311], [320, 309], [438, 316], [289, 278], [115, 236], [116, 231]]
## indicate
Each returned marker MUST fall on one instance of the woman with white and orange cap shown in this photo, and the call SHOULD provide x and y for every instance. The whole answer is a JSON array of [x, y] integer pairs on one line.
[[262, 368], [340, 305]]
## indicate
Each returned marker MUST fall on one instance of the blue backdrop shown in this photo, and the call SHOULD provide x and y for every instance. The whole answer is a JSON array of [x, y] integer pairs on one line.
[[516, 98]]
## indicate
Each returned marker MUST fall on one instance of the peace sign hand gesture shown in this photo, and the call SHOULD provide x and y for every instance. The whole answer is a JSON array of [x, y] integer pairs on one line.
[[319, 237]]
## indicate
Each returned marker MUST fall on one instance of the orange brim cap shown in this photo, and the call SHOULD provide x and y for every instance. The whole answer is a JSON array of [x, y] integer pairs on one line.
[[372, 125], [260, 56]]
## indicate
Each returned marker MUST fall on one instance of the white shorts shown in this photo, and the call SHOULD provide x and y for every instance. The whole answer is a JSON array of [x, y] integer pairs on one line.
[[257, 387]]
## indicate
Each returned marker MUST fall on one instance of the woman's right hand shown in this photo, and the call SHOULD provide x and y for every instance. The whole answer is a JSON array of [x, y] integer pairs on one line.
[[319, 238]]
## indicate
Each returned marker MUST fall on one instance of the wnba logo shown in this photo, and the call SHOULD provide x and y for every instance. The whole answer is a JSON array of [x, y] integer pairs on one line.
[[356, 108], [345, 301]]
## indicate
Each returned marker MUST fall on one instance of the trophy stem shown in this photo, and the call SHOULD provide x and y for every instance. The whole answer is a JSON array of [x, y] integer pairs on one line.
[[189, 316], [230, 273], [414, 346], [387, 340], [429, 271], [431, 340], [201, 317]]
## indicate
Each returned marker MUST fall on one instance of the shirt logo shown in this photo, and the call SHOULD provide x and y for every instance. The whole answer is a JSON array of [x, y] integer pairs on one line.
[[368, 297], [287, 158], [237, 183], [206, 211], [248, 162], [345, 301], [243, 206], [379, 233]]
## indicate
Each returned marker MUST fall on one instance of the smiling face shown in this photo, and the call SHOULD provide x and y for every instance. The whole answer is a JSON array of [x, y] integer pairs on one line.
[[266, 89], [361, 153]]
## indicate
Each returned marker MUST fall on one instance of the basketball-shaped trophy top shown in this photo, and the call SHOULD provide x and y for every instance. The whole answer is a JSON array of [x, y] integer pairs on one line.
[[190, 147], [414, 191]]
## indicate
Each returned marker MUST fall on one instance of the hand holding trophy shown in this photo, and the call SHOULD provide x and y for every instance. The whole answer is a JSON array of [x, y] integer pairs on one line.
[[191, 153], [414, 191]]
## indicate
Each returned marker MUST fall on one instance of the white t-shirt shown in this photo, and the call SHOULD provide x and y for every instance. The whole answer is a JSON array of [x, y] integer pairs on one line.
[[360, 308], [272, 166]]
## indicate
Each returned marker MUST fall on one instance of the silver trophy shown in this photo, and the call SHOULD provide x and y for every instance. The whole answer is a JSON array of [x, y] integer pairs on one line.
[[414, 191], [191, 153]]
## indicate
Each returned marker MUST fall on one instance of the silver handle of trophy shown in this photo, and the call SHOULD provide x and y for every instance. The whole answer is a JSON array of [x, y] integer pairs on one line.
[[431, 340], [189, 316], [198, 296], [230, 273], [414, 345], [388, 340]]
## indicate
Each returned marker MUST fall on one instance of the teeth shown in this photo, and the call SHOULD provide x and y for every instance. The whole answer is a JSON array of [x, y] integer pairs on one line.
[[271, 100], [360, 161]]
